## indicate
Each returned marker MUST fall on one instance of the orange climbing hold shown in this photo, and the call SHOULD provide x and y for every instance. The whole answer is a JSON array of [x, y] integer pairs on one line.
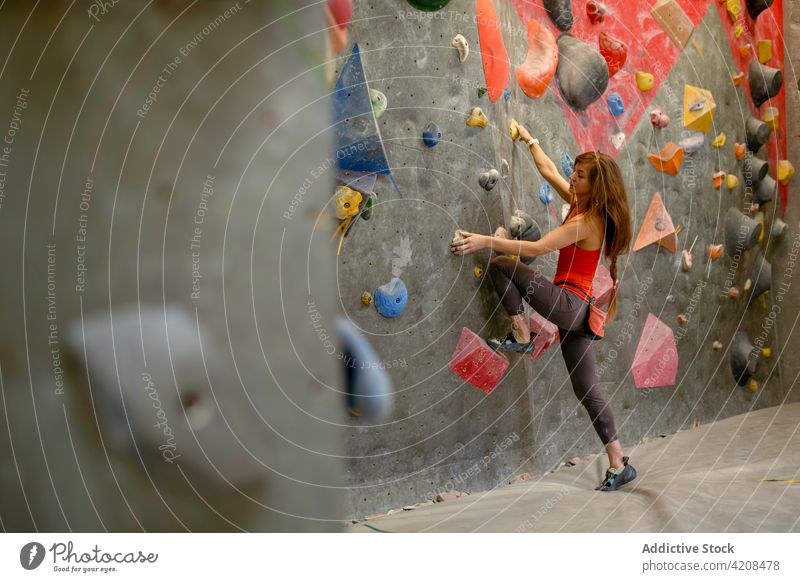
[[715, 251], [737, 79], [718, 178], [539, 68], [496, 66], [668, 160], [657, 227], [739, 150]]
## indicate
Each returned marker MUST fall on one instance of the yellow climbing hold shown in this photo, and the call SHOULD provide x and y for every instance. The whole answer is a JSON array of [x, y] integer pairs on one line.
[[752, 385], [759, 218], [766, 352], [513, 129], [734, 8], [346, 202], [747, 285], [477, 118], [785, 171], [719, 141], [644, 80], [478, 272], [771, 115], [366, 298], [764, 51], [731, 181], [738, 30], [698, 108]]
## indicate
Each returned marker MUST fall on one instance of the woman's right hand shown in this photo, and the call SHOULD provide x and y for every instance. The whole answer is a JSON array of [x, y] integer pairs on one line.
[[524, 134]]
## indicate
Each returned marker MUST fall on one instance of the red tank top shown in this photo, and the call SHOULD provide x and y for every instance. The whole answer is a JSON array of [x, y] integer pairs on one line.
[[576, 265]]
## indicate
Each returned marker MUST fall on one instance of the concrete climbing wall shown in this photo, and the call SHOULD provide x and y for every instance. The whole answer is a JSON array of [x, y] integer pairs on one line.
[[444, 434]]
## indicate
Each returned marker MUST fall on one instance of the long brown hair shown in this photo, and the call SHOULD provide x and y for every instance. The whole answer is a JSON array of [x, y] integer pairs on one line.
[[609, 200]]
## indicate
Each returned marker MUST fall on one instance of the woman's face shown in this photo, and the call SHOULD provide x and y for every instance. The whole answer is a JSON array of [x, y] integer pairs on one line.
[[579, 181]]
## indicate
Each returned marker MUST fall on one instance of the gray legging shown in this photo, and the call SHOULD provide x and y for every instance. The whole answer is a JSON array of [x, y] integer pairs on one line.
[[568, 311]]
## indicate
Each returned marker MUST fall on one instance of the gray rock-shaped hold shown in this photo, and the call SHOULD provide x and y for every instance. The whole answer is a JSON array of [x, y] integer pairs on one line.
[[523, 227], [582, 73], [778, 228], [757, 133], [765, 190], [765, 82], [755, 170], [743, 362], [741, 232], [761, 279], [756, 7], [560, 12], [488, 180]]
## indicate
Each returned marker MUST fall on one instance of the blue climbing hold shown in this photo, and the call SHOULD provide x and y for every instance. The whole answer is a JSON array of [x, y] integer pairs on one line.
[[432, 135], [506, 94], [391, 298], [615, 104], [567, 164], [545, 194]]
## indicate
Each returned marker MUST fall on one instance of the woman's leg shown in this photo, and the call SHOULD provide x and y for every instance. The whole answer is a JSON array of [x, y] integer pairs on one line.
[[579, 358]]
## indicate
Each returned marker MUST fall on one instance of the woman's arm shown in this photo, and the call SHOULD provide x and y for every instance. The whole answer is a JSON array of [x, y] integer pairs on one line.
[[574, 231], [547, 167]]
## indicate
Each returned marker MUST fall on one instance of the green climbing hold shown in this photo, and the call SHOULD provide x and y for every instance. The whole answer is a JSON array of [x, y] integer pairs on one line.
[[366, 212], [429, 5], [482, 91]]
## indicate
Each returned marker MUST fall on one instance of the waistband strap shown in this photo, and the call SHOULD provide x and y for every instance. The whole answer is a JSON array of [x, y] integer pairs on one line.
[[574, 286]]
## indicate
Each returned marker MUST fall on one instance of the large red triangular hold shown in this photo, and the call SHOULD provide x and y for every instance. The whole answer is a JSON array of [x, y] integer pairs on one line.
[[477, 363], [656, 359], [496, 66], [657, 227], [546, 334]]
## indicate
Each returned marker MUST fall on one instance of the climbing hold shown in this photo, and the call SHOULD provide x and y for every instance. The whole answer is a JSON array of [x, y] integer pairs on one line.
[[545, 194], [719, 140], [718, 178], [715, 251], [489, 179], [716, 345], [391, 298], [785, 172], [378, 101], [462, 46], [752, 385], [644, 81], [366, 298], [477, 118], [457, 236], [505, 169], [615, 104], [346, 202], [582, 73], [338, 14], [596, 11], [743, 364], [546, 334], [670, 298], [560, 12], [754, 170], [567, 164], [734, 8], [693, 142], [369, 388], [759, 218], [478, 271], [513, 130], [764, 51], [655, 362], [482, 91], [674, 21], [659, 119], [747, 284], [738, 30], [766, 352], [731, 181], [733, 292], [762, 278], [614, 51], [778, 228], [474, 361], [698, 108], [617, 139], [429, 5], [523, 227], [506, 94], [686, 261], [668, 160], [744, 51], [432, 135], [741, 232], [682, 319], [765, 189], [737, 79], [539, 68], [739, 150], [754, 208], [657, 227], [771, 117], [496, 64], [765, 82], [756, 7], [757, 133], [366, 212]]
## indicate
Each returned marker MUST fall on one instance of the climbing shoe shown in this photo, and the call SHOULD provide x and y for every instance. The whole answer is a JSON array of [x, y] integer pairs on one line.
[[510, 344], [616, 478]]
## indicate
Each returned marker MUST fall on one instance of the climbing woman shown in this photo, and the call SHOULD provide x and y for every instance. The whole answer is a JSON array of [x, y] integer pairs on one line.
[[598, 217]]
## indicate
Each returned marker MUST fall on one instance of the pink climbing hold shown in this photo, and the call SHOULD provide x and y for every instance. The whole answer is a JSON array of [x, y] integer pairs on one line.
[[477, 363], [596, 11], [496, 66], [546, 334], [539, 68], [602, 285], [656, 359]]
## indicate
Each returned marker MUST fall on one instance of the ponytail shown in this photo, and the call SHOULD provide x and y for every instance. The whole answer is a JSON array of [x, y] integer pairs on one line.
[[612, 305]]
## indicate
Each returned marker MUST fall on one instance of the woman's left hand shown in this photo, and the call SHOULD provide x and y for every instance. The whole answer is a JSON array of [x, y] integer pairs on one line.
[[468, 244]]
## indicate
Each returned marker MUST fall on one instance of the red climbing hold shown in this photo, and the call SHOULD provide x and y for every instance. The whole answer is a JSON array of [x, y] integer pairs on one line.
[[496, 66], [339, 13], [596, 11], [546, 334], [656, 360], [538, 70], [614, 51], [477, 363]]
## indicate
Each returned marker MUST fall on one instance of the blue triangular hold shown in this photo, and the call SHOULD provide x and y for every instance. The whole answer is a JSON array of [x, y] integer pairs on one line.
[[358, 141]]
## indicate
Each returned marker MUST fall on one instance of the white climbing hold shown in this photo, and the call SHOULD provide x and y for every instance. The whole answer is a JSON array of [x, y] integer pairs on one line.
[[618, 139], [462, 46], [379, 102]]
